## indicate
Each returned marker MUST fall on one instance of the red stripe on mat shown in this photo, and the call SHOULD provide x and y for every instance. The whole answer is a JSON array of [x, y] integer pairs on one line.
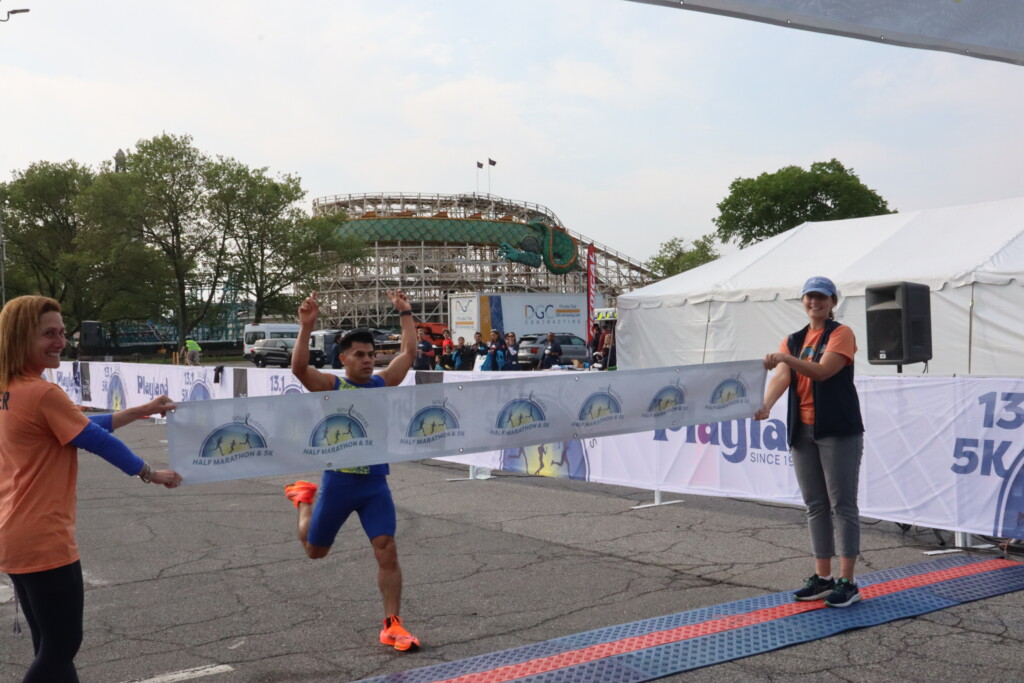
[[618, 647]]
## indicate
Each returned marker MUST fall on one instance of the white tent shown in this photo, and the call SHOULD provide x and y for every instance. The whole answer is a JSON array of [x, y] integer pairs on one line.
[[742, 305]]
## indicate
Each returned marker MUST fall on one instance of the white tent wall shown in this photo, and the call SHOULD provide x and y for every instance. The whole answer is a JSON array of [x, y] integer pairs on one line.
[[715, 331], [742, 305], [997, 346], [751, 328], [657, 337]]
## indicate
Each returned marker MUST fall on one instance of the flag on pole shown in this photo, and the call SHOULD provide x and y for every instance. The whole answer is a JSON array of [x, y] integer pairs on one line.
[[492, 162], [591, 288], [479, 164]]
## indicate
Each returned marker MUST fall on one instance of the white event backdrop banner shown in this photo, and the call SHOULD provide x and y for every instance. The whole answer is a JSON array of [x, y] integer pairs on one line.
[[939, 452]]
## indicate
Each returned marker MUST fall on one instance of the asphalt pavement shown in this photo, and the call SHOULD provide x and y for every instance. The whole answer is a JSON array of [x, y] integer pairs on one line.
[[211, 580]]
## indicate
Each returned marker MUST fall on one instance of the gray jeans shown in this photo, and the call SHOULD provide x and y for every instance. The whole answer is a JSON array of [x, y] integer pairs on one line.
[[828, 470]]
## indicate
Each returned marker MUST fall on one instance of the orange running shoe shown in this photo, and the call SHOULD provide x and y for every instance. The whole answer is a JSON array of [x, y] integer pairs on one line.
[[300, 492], [395, 634]]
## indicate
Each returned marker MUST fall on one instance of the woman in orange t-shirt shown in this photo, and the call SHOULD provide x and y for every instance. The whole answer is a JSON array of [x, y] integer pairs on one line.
[[40, 432], [826, 437]]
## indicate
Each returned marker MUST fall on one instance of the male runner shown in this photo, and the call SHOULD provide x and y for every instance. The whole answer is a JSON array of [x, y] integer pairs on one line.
[[363, 490]]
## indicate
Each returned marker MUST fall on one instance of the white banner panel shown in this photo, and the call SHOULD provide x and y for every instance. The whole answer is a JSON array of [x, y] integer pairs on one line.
[[946, 453], [741, 458], [116, 386], [270, 382], [990, 29], [67, 378], [249, 437]]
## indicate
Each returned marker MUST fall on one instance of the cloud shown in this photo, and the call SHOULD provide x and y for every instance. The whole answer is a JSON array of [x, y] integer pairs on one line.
[[627, 120]]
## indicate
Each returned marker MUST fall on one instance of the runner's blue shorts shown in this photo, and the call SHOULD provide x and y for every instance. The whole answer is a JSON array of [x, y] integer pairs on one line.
[[340, 495]]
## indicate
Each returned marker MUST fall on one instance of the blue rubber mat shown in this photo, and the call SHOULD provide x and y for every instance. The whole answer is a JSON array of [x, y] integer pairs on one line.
[[889, 595]]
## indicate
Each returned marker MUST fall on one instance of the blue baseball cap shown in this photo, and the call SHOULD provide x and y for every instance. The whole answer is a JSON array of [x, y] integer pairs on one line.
[[821, 285]]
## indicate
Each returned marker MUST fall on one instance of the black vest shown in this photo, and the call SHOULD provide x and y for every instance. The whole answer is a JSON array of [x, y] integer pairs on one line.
[[836, 406]]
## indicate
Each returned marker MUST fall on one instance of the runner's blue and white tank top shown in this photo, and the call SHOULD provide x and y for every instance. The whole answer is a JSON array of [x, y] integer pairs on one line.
[[376, 382]]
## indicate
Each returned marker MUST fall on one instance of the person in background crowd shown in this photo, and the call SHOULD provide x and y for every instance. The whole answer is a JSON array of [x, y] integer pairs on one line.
[[424, 352], [363, 490], [606, 329], [552, 353], [447, 347], [41, 431], [190, 352], [826, 437], [594, 345], [479, 348], [336, 352], [606, 357], [512, 352], [463, 356], [496, 352]]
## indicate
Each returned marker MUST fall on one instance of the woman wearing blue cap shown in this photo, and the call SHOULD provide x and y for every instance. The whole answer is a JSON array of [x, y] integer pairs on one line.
[[826, 437]]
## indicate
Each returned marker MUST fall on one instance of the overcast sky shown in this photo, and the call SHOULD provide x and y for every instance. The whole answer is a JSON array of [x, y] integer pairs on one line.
[[628, 120]]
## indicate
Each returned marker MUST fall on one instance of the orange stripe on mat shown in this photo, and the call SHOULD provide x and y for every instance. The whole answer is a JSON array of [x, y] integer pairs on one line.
[[588, 654]]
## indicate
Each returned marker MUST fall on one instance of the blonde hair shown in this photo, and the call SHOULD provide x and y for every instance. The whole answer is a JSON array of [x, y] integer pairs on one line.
[[19, 322]]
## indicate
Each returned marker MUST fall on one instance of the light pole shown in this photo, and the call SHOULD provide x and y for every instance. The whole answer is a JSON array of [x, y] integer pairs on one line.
[[3, 206], [14, 11], [3, 255]]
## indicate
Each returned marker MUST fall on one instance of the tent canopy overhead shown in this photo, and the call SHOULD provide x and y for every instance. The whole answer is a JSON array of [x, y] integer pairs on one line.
[[729, 305], [989, 29]]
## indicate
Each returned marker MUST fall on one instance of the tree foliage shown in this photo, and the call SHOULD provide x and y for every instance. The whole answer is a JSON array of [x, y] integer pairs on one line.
[[675, 257], [759, 208], [41, 224], [173, 232], [94, 271], [161, 198], [276, 248]]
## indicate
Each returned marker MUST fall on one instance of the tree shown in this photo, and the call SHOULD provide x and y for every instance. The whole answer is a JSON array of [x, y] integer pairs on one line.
[[275, 246], [674, 257], [92, 269], [169, 230], [42, 224], [162, 198], [758, 208]]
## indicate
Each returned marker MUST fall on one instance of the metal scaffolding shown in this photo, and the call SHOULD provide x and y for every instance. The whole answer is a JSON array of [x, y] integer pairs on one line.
[[429, 270]]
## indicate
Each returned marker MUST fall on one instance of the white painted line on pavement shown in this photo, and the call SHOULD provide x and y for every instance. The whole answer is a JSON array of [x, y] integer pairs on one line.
[[189, 674], [93, 579]]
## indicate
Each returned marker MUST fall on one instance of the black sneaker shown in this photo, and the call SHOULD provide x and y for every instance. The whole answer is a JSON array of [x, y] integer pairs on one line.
[[845, 594], [816, 589]]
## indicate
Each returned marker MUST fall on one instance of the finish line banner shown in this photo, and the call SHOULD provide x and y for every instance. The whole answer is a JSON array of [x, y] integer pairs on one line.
[[239, 438]]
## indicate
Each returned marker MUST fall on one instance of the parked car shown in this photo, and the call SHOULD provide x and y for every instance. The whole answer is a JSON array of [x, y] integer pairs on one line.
[[279, 352], [531, 348]]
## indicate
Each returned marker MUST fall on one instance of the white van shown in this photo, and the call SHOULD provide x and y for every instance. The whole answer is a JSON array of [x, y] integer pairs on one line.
[[323, 340], [253, 333]]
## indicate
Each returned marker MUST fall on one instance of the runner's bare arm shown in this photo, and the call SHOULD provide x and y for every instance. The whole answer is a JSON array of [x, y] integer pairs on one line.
[[399, 366], [311, 378]]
